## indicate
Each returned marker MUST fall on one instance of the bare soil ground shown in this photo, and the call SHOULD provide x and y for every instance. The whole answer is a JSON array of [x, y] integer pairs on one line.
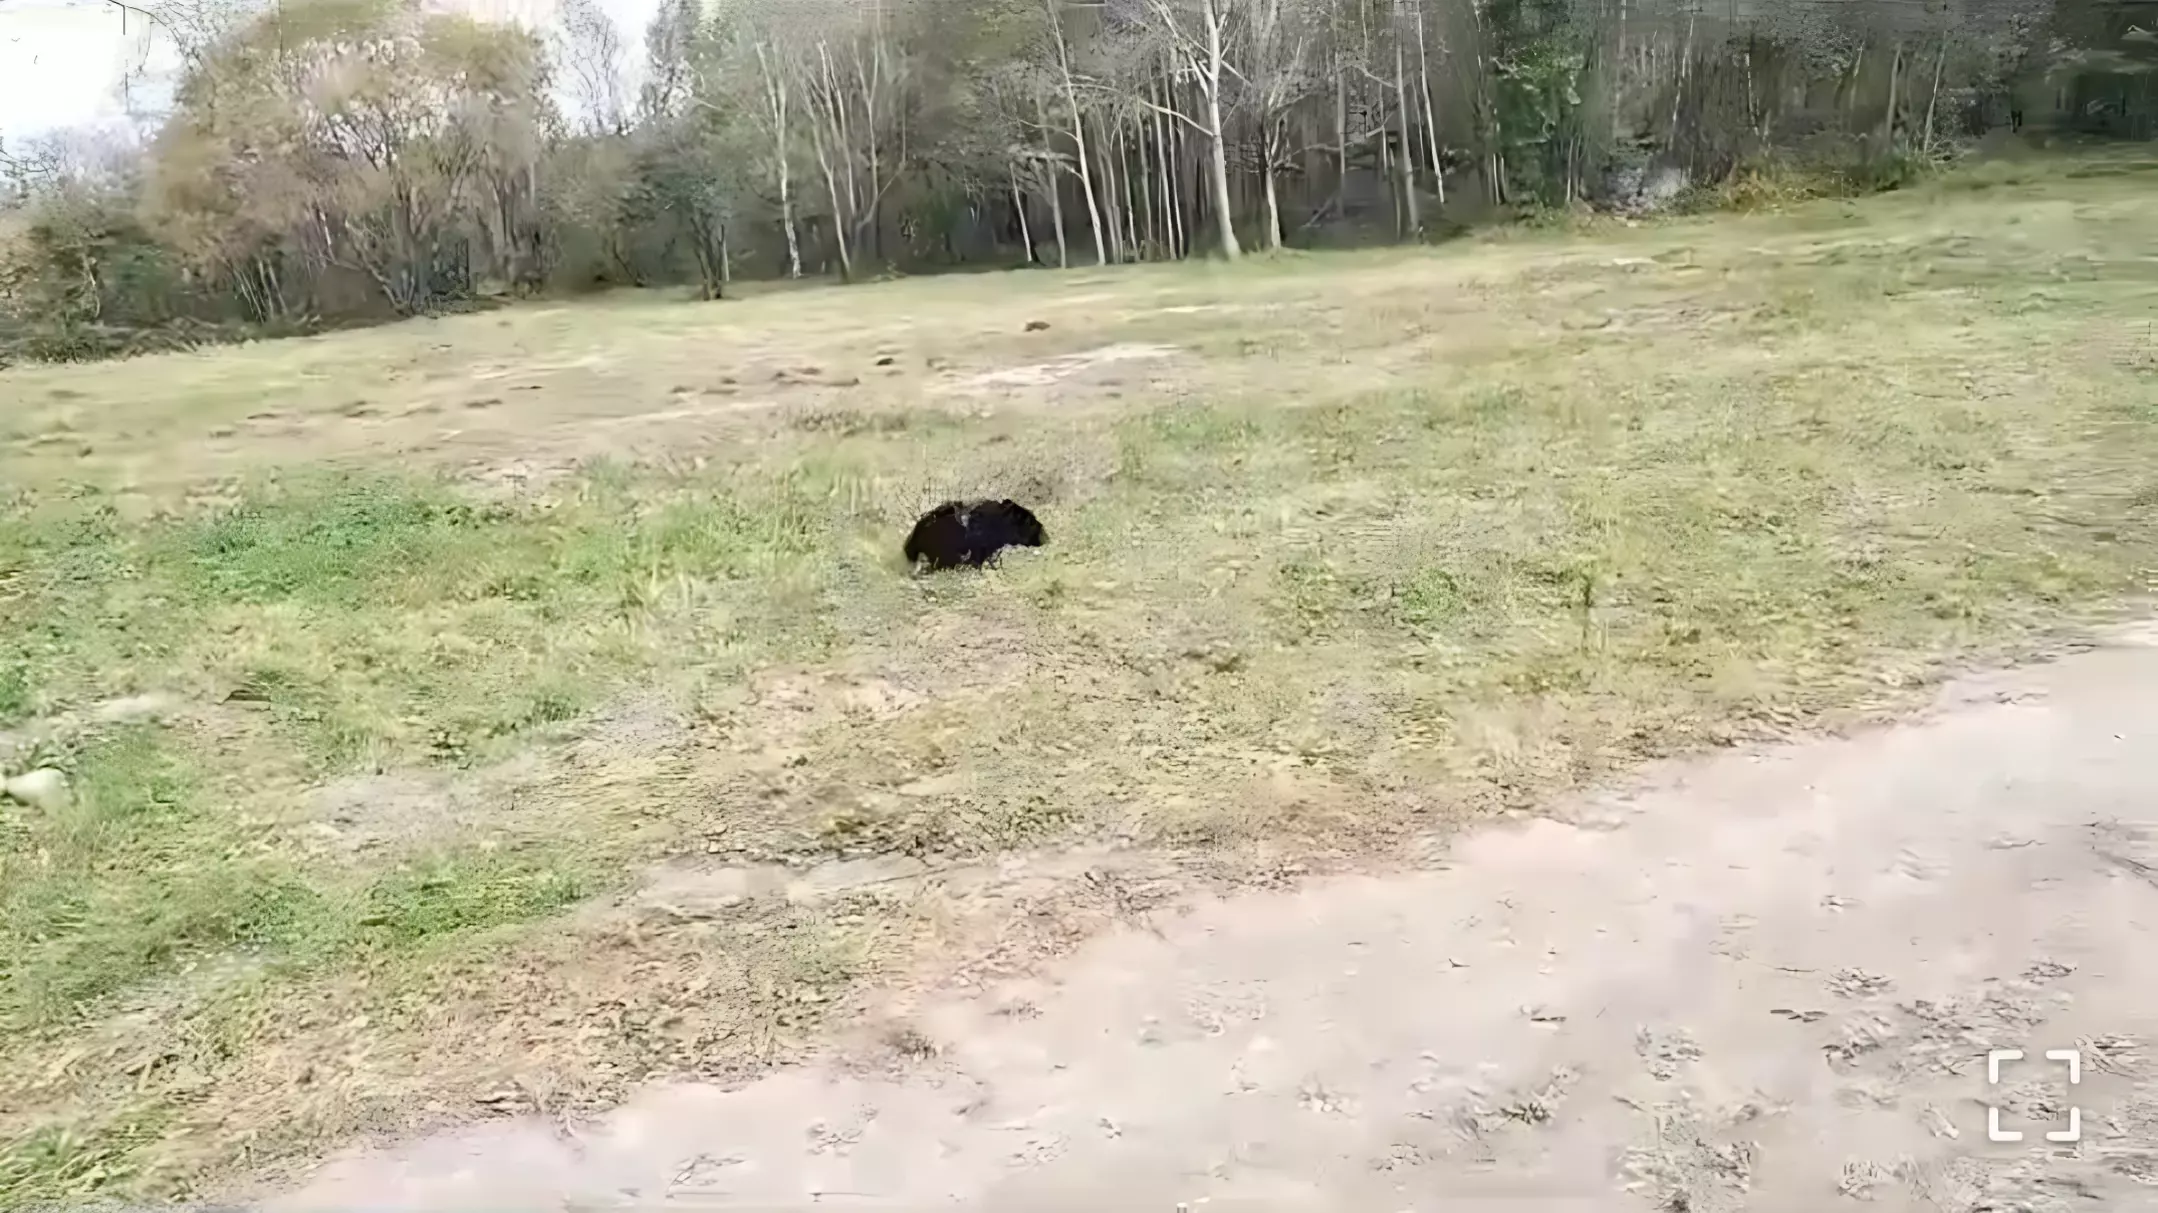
[[490, 716], [1765, 982]]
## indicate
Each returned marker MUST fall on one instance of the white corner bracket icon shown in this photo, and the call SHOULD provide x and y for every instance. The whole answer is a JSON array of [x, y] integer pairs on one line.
[[2072, 1058]]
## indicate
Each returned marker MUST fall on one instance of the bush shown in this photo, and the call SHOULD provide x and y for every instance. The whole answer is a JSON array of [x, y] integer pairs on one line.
[[82, 280], [1840, 168], [78, 274]]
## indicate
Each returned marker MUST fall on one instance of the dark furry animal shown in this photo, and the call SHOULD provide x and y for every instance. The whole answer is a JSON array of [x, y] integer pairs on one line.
[[970, 534]]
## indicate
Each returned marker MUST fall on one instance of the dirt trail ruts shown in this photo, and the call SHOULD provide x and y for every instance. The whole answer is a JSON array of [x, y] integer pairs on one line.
[[1766, 981]]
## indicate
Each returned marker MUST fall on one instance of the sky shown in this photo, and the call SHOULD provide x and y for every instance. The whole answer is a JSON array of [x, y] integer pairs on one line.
[[62, 62]]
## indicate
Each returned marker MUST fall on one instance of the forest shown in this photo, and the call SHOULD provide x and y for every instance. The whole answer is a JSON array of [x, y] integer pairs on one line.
[[337, 162]]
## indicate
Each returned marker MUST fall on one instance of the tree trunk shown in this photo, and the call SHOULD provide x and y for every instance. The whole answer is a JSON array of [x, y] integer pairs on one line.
[[1165, 167], [1019, 204], [1341, 136], [1685, 67], [1940, 55], [1071, 101], [1850, 94], [776, 97], [1109, 203], [1217, 172], [1054, 187], [707, 273], [1387, 176], [1756, 114], [842, 143], [1127, 201], [871, 78], [1412, 209], [1143, 181], [1273, 201], [1056, 221], [839, 212], [1431, 117], [1086, 175], [1490, 151], [1895, 94]]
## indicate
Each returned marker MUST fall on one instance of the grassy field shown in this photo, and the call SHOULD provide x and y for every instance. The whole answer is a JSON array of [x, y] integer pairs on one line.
[[487, 714]]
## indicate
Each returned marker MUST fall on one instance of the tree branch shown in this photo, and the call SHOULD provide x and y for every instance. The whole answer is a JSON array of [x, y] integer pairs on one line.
[[1179, 115]]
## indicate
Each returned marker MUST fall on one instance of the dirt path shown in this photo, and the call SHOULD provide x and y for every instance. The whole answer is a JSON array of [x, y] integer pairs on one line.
[[1768, 981]]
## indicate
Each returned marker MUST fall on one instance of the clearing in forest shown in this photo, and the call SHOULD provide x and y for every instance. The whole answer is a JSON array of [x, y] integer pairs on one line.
[[492, 713]]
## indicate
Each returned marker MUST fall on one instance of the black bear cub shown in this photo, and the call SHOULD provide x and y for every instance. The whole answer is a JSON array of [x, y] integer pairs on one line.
[[970, 534]]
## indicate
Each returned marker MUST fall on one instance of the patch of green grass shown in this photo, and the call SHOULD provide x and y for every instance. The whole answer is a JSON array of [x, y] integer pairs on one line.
[[71, 1163], [342, 542], [149, 870], [134, 878], [364, 619], [1430, 599], [352, 606], [450, 894], [17, 696]]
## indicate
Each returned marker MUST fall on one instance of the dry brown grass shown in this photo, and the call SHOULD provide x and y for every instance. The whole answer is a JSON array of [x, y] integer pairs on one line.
[[546, 710]]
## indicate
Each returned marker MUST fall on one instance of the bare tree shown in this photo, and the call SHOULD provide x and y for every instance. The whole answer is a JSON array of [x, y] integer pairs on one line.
[[590, 49], [847, 74], [1081, 161], [1017, 94], [1197, 35], [776, 87], [1279, 75], [670, 43], [751, 71]]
